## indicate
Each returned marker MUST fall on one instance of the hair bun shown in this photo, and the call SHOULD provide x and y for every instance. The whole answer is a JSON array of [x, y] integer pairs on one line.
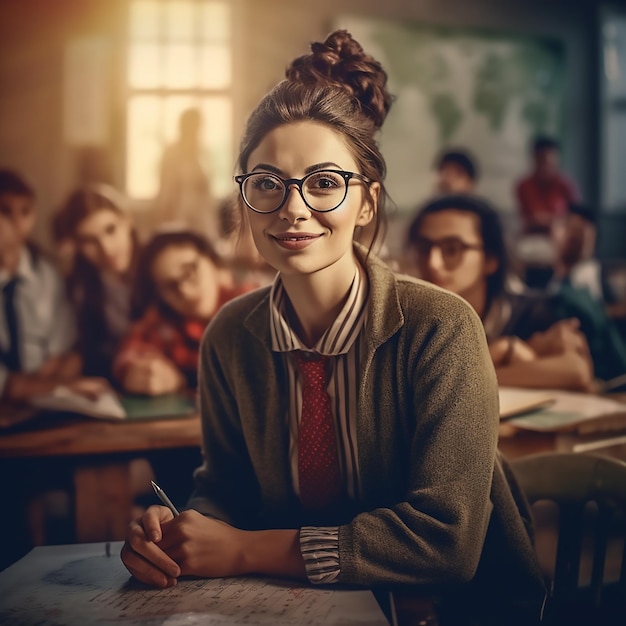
[[341, 62]]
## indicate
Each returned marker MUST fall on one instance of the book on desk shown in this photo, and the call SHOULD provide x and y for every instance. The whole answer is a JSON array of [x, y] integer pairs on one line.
[[109, 405], [88, 584], [559, 411]]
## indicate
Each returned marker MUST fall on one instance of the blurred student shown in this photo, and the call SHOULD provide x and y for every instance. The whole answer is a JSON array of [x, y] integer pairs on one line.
[[459, 245], [37, 328], [546, 192], [457, 172], [105, 248], [37, 351], [580, 286], [179, 286], [575, 237]]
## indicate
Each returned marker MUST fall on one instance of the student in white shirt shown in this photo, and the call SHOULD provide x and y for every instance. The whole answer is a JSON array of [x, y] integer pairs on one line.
[[37, 327]]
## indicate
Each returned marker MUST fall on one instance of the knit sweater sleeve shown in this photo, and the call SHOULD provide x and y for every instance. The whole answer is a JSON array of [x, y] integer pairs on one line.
[[431, 393]]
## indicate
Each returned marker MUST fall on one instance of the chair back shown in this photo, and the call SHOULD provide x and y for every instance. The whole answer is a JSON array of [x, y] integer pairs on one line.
[[590, 494]]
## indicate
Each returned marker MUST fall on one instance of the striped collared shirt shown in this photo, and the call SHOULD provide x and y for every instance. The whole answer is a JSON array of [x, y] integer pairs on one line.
[[342, 341]]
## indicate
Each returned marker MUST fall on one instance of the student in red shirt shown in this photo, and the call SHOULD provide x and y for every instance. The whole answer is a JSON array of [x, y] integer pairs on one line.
[[179, 286], [546, 192]]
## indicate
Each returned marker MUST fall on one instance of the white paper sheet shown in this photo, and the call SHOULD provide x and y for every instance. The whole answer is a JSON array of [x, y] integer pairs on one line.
[[80, 584]]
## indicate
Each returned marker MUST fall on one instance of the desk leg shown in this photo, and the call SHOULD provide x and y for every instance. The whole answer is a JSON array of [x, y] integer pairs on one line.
[[103, 501]]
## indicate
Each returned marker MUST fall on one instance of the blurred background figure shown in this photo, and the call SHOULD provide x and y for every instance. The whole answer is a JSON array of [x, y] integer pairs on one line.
[[543, 197], [546, 192], [459, 245], [184, 196], [37, 328], [180, 285], [575, 237], [94, 224], [457, 171]]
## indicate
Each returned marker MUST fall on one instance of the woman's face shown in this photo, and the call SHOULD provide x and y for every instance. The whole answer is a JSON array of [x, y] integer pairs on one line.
[[187, 281], [105, 239], [296, 240], [449, 252]]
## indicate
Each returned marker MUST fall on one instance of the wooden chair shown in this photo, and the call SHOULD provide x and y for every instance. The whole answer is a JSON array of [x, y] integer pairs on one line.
[[589, 493]]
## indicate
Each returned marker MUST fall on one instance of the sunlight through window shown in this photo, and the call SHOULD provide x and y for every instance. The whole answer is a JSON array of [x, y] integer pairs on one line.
[[179, 56]]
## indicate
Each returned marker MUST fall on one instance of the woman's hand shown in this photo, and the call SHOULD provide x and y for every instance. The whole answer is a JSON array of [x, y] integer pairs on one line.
[[141, 555], [205, 547]]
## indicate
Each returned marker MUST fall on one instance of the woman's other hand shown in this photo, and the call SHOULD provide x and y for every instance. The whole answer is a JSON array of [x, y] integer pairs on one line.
[[141, 554]]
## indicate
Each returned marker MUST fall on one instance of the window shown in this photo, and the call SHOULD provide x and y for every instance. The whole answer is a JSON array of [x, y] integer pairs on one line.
[[179, 57], [614, 111]]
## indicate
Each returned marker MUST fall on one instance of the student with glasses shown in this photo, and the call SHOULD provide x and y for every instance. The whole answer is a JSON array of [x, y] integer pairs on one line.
[[350, 416], [458, 244], [179, 286]]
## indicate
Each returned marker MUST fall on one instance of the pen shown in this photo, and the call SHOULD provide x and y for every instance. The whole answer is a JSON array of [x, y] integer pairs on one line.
[[163, 497]]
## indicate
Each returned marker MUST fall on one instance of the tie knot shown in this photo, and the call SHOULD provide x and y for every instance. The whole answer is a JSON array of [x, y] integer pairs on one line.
[[313, 368]]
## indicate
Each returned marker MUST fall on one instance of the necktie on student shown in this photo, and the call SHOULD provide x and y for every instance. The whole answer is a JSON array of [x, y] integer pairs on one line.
[[319, 475], [12, 354]]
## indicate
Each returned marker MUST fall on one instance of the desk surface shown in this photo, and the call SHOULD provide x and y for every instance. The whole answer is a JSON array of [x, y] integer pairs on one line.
[[77, 436]]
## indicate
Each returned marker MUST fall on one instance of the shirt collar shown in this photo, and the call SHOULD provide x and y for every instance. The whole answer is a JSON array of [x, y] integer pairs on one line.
[[338, 338], [24, 271]]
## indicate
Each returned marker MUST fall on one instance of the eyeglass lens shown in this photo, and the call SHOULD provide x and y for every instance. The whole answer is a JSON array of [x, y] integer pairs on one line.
[[452, 249], [322, 191]]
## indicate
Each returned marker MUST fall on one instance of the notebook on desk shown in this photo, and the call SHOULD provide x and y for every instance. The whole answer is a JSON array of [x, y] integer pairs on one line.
[[566, 411], [110, 405]]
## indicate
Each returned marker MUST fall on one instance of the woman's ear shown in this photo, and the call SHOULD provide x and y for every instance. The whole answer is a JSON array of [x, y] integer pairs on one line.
[[369, 206]]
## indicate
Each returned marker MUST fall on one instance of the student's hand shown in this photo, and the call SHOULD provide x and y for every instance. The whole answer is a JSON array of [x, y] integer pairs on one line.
[[153, 376], [204, 547], [560, 338], [141, 555], [509, 350]]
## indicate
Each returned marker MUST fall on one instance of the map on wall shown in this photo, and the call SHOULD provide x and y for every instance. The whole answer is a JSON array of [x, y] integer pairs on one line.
[[487, 92]]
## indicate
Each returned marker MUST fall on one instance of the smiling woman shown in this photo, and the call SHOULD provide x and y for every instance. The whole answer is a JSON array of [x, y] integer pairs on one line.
[[350, 416]]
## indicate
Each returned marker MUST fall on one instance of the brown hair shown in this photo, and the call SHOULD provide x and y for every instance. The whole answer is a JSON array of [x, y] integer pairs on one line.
[[338, 85]]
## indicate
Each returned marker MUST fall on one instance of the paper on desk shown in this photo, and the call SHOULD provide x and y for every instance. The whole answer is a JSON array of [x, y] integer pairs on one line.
[[106, 405], [79, 584], [574, 411], [516, 401]]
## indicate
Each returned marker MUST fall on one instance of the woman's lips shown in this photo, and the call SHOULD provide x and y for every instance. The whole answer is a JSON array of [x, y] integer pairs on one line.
[[296, 241]]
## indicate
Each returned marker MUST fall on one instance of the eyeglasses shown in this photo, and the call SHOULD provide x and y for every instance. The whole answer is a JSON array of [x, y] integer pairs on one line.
[[322, 190], [189, 274], [452, 249]]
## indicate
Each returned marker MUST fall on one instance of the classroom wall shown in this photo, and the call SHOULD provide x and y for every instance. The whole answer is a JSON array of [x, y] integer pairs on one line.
[[268, 33]]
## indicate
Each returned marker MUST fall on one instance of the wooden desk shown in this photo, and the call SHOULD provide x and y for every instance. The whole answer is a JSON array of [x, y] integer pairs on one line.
[[101, 452]]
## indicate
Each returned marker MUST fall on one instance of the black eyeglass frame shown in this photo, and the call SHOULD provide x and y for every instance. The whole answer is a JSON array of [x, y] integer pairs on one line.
[[298, 182], [440, 243]]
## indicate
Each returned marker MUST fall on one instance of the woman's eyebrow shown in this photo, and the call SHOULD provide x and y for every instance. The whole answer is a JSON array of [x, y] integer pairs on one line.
[[266, 167], [311, 168]]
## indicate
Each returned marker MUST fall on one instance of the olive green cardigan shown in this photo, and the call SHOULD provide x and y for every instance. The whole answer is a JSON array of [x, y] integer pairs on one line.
[[436, 508]]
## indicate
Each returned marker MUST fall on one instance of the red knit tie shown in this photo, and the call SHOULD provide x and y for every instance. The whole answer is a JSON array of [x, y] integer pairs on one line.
[[318, 464]]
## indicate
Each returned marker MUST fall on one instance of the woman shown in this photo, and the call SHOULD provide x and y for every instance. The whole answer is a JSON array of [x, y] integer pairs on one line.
[[179, 286], [105, 248], [458, 244], [403, 486]]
